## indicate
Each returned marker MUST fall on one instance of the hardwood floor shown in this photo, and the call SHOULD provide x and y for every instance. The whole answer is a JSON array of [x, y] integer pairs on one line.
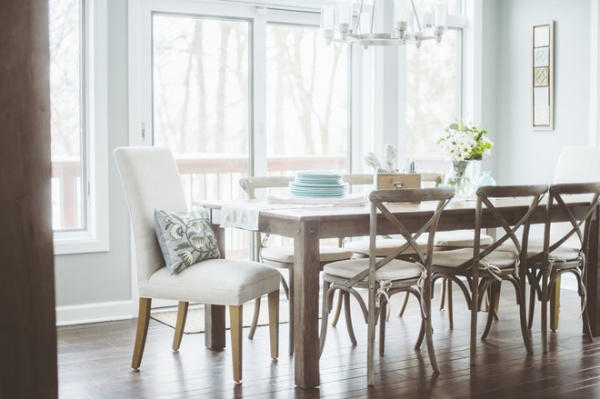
[[94, 361]]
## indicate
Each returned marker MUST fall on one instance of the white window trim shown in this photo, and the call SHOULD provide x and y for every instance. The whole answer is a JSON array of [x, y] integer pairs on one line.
[[95, 237]]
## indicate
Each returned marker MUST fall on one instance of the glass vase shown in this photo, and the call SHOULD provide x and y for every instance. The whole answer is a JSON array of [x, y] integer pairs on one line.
[[486, 179], [463, 176]]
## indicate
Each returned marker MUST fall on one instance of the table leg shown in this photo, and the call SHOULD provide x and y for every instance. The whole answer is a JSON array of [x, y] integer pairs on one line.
[[306, 305], [214, 319], [593, 277], [214, 315]]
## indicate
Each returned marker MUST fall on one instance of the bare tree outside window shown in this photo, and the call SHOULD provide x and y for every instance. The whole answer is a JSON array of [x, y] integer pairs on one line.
[[307, 97], [201, 105], [431, 93], [65, 27], [201, 99]]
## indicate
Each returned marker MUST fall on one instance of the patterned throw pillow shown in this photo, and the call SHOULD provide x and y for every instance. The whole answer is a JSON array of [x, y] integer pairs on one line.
[[185, 238]]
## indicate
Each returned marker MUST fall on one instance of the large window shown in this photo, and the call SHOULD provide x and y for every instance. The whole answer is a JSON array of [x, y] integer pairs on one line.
[[235, 90], [201, 99], [432, 89], [432, 93], [66, 55], [78, 120], [307, 100]]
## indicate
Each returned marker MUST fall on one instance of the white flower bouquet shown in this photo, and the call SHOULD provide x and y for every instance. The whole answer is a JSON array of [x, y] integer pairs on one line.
[[463, 142]]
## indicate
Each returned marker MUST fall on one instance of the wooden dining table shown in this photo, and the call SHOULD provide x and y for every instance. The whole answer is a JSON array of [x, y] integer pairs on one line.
[[308, 225]]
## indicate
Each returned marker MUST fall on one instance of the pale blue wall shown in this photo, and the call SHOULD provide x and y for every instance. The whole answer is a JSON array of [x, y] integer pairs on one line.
[[522, 154]]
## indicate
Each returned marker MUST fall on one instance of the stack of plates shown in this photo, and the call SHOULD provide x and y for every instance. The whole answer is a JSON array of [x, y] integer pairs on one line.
[[313, 184]]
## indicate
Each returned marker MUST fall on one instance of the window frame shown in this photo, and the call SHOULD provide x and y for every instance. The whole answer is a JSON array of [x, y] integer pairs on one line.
[[94, 237]]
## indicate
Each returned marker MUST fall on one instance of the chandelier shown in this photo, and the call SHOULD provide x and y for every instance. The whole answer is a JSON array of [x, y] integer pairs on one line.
[[410, 26]]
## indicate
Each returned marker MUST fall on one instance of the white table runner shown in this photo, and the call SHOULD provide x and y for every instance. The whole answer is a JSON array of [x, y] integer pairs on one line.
[[244, 214]]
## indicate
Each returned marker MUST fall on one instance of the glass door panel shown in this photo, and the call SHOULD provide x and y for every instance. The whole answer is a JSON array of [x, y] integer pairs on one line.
[[307, 101], [201, 105]]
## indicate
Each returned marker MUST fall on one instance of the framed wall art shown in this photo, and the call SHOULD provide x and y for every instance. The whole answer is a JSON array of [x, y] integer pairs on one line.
[[543, 76]]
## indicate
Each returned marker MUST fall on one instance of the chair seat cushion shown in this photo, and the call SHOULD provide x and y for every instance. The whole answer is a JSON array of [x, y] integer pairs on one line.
[[383, 246], [460, 239], [564, 253], [393, 271], [456, 257], [285, 254], [214, 281]]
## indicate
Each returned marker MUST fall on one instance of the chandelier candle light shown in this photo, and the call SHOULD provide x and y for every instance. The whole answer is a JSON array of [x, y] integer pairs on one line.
[[409, 27]]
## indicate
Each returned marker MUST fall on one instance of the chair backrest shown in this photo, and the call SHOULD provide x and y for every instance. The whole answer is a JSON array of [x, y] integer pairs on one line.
[[513, 230], [435, 179], [579, 222], [383, 215], [250, 184], [578, 165], [151, 181]]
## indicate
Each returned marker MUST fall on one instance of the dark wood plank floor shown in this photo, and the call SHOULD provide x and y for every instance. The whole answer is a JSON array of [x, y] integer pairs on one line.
[[94, 362]]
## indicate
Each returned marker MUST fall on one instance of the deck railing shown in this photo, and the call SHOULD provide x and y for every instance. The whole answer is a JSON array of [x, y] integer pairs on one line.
[[203, 177], [214, 177]]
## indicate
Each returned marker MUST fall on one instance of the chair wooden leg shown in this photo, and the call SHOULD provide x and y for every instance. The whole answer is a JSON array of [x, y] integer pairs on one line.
[[257, 302], [274, 323], [555, 305], [404, 303], [450, 305], [338, 309], [235, 315], [496, 303], [587, 330], [545, 297], [490, 314], [324, 315], [348, 316], [443, 291], [429, 327], [142, 332], [531, 306], [371, 321], [382, 313], [523, 317], [291, 315], [421, 335], [474, 310], [182, 310]]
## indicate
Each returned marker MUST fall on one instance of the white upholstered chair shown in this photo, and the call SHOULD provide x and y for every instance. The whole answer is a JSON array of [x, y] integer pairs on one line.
[[151, 181]]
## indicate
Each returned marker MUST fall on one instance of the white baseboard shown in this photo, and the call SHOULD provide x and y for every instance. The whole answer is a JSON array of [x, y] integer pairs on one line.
[[93, 313]]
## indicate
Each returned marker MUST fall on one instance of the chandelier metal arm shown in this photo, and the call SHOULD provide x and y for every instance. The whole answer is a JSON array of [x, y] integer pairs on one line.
[[337, 25]]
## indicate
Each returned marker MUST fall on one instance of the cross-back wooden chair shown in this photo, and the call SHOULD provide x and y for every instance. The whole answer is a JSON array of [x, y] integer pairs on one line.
[[445, 240], [556, 257], [484, 269], [386, 276]]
